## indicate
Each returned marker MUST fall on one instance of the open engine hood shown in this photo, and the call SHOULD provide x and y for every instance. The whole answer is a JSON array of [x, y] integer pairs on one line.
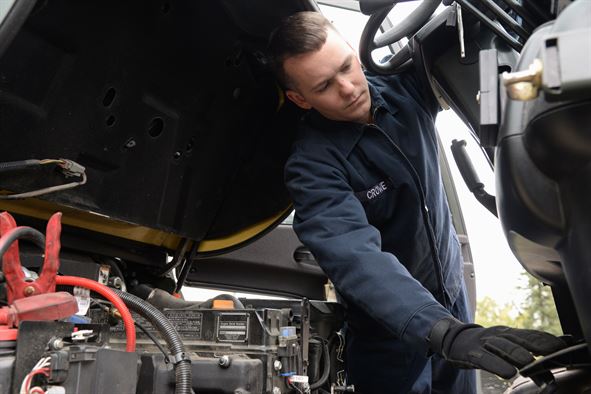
[[169, 107]]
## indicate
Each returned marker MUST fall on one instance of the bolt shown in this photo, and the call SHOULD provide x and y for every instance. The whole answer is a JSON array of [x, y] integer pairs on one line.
[[130, 143], [117, 282], [56, 344], [224, 361], [115, 313], [277, 365], [29, 291], [524, 85]]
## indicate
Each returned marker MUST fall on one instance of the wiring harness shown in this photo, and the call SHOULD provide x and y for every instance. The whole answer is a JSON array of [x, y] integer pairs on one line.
[[69, 168]]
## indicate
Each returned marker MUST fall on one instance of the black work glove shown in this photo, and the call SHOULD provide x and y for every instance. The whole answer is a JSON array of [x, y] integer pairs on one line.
[[499, 349]]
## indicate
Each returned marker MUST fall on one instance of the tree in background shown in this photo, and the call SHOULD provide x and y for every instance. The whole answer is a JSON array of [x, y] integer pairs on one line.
[[489, 313], [537, 311]]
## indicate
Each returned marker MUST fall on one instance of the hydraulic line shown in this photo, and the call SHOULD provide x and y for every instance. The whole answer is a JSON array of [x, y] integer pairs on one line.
[[508, 22], [513, 43], [109, 294], [326, 367]]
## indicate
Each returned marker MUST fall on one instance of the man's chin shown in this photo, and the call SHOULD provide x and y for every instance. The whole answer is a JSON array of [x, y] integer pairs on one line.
[[358, 117]]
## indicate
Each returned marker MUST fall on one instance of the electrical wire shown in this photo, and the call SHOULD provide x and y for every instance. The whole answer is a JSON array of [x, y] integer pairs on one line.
[[41, 368], [46, 190], [154, 339], [294, 387], [68, 167], [21, 232], [186, 267], [138, 325], [23, 164], [110, 295]]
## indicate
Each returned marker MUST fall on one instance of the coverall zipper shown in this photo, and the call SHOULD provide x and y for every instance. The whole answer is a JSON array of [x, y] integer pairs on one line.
[[424, 211]]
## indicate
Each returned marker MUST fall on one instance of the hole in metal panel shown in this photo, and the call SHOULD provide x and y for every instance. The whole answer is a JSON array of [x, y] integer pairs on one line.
[[110, 121], [156, 127], [190, 145], [109, 97]]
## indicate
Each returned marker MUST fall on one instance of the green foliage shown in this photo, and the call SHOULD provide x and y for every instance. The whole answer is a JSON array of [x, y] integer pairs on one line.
[[537, 311], [489, 313]]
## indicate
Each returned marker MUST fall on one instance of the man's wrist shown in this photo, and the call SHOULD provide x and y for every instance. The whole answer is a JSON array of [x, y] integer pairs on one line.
[[444, 332], [419, 326], [438, 333]]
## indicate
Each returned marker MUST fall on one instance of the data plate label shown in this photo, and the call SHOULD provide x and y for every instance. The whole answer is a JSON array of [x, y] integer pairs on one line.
[[232, 327]]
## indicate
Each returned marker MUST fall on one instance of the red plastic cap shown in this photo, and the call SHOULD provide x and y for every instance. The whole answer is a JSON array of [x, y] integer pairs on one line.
[[51, 306]]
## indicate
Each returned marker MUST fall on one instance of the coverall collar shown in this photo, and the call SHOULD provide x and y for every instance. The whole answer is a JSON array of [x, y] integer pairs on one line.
[[343, 134]]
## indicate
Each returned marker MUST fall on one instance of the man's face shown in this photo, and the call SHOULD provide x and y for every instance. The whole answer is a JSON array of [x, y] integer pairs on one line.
[[330, 80]]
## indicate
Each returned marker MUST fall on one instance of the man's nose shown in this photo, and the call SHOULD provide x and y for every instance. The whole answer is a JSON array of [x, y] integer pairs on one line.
[[346, 87]]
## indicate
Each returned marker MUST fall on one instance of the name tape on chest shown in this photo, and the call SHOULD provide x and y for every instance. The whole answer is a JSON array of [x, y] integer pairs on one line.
[[374, 192]]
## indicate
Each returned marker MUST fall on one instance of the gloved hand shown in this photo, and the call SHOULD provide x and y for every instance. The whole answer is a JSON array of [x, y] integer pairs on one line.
[[497, 349]]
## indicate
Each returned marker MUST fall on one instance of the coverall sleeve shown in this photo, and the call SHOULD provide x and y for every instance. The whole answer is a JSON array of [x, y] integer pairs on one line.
[[422, 92], [332, 223]]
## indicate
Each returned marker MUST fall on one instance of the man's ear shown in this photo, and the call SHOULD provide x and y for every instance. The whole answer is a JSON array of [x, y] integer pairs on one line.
[[297, 98]]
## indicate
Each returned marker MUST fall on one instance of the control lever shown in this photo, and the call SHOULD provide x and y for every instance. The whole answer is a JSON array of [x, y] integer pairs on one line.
[[458, 149]]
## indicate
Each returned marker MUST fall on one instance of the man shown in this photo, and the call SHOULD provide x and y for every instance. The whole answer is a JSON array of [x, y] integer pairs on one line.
[[371, 207]]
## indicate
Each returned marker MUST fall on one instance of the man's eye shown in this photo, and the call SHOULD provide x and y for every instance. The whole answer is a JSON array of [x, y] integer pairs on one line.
[[322, 88], [346, 67]]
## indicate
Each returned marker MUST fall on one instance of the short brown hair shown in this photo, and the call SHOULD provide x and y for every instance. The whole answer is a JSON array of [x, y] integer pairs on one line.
[[300, 33]]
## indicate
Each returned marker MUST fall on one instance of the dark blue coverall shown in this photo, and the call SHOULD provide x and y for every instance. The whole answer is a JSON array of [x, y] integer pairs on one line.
[[371, 207]]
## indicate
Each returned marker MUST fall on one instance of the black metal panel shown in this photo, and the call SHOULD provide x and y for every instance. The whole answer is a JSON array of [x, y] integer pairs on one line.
[[269, 265], [244, 375], [7, 361], [33, 337], [166, 103], [100, 371]]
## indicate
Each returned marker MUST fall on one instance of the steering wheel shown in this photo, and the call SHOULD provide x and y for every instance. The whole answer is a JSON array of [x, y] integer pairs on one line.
[[378, 11]]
